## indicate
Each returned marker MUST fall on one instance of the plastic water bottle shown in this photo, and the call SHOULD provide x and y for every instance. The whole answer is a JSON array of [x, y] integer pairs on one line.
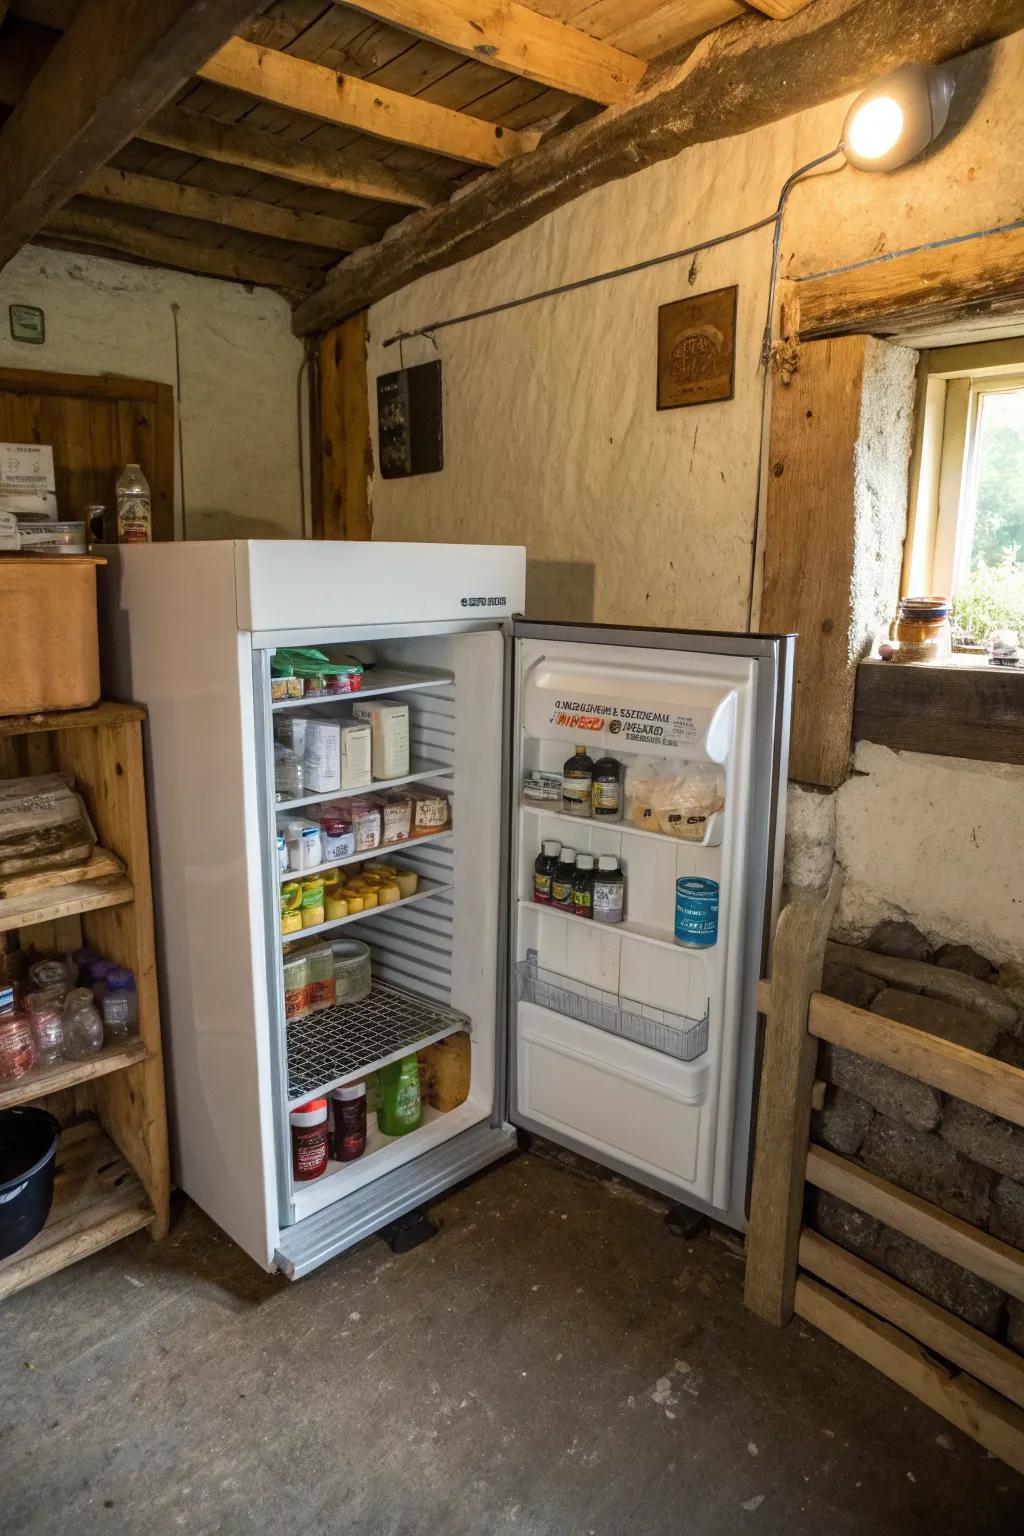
[[134, 507], [120, 1006]]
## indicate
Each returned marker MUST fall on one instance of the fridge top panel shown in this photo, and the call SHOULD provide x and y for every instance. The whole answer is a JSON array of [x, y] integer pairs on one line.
[[294, 584], [636, 708]]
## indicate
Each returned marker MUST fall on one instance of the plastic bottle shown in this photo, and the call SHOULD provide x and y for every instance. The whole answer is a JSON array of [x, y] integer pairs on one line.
[[120, 1006], [609, 891], [349, 1122], [577, 773], [134, 508], [562, 879], [83, 1027], [583, 886], [543, 871], [289, 776], [399, 1110]]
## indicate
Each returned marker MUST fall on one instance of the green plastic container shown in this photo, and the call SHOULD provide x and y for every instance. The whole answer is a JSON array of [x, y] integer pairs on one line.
[[399, 1110]]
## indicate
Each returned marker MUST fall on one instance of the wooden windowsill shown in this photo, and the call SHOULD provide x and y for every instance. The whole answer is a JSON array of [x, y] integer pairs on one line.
[[963, 708]]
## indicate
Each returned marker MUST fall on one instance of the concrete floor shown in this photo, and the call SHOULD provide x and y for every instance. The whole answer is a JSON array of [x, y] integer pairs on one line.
[[553, 1363]]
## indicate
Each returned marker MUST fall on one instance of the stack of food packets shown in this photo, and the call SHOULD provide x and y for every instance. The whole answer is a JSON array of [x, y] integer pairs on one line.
[[29, 516]]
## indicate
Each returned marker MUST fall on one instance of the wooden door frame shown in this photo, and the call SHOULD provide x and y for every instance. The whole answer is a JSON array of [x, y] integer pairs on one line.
[[897, 298], [112, 386]]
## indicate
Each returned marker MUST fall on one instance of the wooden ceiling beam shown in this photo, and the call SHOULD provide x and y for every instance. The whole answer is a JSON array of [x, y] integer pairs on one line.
[[258, 218], [119, 238], [779, 10], [521, 41], [738, 78], [118, 62], [316, 91], [272, 155]]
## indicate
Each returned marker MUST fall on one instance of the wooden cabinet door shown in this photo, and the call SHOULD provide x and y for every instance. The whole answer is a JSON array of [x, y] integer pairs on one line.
[[96, 426]]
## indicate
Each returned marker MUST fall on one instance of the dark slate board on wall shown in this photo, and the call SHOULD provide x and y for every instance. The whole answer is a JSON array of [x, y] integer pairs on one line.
[[409, 427]]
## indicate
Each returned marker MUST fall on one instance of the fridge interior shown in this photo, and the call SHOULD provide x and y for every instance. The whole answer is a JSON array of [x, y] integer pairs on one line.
[[435, 954], [625, 1042]]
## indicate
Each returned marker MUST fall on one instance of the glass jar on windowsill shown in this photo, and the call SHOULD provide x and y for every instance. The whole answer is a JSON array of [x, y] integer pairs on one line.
[[921, 630]]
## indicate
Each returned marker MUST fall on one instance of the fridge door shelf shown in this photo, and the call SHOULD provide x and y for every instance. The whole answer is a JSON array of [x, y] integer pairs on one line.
[[337, 1045], [425, 888], [673, 1034], [420, 770], [376, 680], [712, 832], [642, 931]]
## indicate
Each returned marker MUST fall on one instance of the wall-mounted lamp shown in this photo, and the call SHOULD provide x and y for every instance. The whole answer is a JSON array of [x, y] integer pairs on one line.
[[897, 117]]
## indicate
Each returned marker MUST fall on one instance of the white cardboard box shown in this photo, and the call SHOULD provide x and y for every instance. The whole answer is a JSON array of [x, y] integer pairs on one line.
[[26, 467]]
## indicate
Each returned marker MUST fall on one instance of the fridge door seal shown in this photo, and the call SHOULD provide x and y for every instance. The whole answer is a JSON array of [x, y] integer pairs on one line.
[[774, 656]]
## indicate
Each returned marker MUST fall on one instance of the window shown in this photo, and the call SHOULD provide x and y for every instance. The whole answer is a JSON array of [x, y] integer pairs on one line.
[[967, 529]]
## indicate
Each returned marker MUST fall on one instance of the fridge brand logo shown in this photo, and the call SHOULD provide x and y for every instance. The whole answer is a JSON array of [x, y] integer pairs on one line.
[[485, 602], [577, 722]]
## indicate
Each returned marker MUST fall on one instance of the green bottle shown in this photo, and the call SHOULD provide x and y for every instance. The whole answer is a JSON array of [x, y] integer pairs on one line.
[[399, 1110]]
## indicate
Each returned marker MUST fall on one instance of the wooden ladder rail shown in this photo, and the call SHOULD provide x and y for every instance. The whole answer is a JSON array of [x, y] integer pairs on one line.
[[791, 1268]]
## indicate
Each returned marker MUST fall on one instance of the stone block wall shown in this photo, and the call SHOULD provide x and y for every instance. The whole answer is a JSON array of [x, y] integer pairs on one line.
[[958, 1157]]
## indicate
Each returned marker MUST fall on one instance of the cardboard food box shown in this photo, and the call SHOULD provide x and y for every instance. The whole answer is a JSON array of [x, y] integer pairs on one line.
[[52, 538], [26, 467]]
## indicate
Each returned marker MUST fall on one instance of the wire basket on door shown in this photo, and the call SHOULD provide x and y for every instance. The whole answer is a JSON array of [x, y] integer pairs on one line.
[[673, 1034]]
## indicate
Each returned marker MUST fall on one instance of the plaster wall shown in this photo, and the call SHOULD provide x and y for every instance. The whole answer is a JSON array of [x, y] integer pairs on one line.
[[239, 370], [551, 433], [937, 839]]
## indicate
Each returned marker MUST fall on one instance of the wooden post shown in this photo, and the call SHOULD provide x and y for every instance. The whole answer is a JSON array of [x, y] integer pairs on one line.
[[343, 436], [784, 1103]]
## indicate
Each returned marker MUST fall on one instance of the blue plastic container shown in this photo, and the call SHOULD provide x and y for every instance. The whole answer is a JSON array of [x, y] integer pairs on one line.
[[696, 912]]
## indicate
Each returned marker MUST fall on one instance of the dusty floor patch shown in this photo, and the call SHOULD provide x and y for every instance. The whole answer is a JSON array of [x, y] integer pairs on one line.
[[553, 1363]]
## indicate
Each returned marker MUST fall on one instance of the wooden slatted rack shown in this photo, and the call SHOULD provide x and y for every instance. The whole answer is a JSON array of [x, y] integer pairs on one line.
[[978, 1383]]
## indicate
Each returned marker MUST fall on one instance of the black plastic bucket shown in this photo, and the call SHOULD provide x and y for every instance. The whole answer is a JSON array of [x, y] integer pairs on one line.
[[28, 1151]]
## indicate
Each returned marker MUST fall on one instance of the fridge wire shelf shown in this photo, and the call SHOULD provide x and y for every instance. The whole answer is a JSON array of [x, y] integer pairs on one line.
[[333, 1045], [673, 1034]]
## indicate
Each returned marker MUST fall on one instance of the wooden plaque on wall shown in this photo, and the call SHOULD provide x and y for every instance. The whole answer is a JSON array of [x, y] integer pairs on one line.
[[697, 349]]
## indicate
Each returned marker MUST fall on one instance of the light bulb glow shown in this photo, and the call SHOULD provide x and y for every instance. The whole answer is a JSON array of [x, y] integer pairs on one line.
[[876, 128]]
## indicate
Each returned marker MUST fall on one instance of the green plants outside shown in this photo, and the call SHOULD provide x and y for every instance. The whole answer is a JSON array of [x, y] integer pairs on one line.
[[991, 598]]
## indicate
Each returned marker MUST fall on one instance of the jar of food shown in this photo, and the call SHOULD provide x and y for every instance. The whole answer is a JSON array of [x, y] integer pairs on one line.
[[352, 971], [17, 1046], [337, 837], [609, 891], [83, 1026], [47, 1027], [309, 1140], [311, 902], [606, 790], [922, 629], [349, 1122]]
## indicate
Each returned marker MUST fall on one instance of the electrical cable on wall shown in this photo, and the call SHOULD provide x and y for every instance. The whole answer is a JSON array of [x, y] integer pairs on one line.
[[175, 310]]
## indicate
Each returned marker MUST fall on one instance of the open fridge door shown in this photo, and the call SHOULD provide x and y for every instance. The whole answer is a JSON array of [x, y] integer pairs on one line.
[[629, 1044]]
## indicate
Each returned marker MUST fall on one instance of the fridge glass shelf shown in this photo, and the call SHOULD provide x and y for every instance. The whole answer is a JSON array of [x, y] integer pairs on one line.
[[376, 680], [425, 889], [673, 1034], [384, 852], [336, 1045], [420, 770], [712, 833]]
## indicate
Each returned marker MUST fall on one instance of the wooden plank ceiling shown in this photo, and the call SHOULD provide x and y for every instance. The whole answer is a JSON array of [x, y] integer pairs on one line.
[[319, 125]]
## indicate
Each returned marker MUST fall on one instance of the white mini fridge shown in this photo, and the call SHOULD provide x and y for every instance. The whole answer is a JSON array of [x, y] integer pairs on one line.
[[613, 1040]]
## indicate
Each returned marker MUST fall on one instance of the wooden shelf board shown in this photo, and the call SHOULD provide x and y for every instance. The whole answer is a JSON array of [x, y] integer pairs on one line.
[[106, 712], [66, 1074], [102, 863], [96, 1200], [58, 901]]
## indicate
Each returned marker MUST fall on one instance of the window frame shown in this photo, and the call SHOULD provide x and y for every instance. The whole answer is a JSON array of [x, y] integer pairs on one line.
[[952, 385]]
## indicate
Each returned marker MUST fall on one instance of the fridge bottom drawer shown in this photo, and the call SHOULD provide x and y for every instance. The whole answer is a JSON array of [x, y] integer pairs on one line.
[[312, 1241], [625, 1103]]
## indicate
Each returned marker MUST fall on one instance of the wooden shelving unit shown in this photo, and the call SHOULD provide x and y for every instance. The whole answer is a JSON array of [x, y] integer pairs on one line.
[[112, 1174]]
